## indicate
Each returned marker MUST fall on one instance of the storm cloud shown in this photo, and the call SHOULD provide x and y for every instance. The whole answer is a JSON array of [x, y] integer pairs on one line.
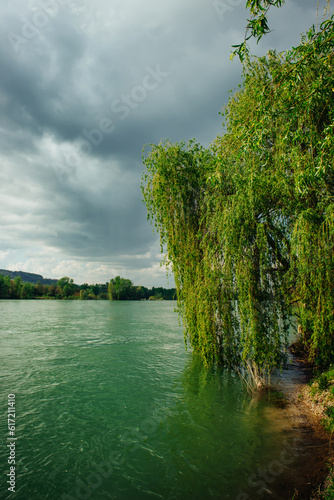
[[83, 88]]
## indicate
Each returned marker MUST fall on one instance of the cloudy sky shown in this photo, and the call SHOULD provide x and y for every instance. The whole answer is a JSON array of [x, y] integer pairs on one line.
[[83, 87]]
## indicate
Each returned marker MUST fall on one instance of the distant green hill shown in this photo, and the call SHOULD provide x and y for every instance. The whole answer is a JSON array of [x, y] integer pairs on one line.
[[28, 277]]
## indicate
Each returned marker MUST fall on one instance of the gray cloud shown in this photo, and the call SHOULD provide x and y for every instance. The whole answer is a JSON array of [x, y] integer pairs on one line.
[[83, 88]]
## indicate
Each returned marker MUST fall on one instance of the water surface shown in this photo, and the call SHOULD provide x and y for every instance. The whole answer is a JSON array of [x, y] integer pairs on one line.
[[110, 405]]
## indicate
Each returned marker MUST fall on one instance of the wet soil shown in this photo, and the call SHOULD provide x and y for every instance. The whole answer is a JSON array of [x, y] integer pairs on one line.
[[307, 447]]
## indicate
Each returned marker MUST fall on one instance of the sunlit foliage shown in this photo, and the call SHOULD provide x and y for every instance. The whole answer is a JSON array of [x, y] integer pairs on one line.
[[248, 223]]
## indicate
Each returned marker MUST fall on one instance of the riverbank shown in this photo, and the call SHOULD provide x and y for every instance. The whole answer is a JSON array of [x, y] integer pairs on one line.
[[318, 395], [310, 406]]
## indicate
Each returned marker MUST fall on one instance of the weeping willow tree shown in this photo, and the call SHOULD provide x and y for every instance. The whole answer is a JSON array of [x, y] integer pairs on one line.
[[248, 223]]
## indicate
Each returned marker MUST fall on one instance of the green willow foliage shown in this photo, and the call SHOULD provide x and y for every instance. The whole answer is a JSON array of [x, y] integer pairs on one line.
[[248, 224], [257, 25]]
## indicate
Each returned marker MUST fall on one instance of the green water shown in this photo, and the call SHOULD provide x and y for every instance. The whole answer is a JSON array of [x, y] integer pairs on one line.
[[110, 405]]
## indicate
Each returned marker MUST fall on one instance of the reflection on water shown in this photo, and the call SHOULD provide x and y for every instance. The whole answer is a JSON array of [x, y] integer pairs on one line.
[[110, 405]]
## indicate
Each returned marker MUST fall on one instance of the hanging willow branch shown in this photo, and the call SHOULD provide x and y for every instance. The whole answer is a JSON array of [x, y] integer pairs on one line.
[[248, 223], [258, 25]]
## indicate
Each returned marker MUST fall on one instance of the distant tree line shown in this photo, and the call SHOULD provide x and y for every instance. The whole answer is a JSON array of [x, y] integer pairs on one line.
[[117, 289], [28, 277], [123, 289]]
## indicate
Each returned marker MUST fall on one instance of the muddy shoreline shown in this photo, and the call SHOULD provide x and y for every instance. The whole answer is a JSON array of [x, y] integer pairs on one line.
[[301, 466]]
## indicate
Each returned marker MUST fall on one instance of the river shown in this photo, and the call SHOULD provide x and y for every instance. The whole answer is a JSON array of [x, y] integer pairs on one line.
[[110, 405]]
